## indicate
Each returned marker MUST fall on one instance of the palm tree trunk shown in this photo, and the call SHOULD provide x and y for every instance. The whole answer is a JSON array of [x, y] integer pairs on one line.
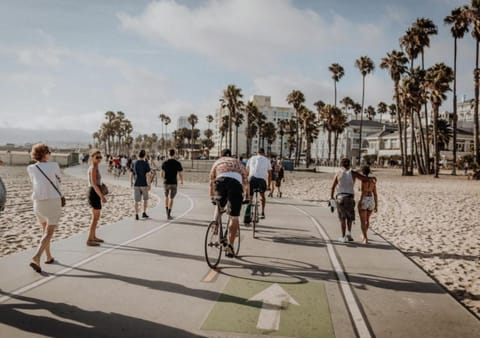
[[297, 151], [361, 123], [230, 130], [435, 141], [423, 161], [329, 145], [335, 148], [412, 141], [335, 86], [454, 170], [426, 145], [281, 146], [400, 128], [475, 111], [191, 146], [405, 139], [236, 141]]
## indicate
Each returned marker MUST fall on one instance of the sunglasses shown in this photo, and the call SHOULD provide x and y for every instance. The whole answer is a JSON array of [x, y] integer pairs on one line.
[[98, 157]]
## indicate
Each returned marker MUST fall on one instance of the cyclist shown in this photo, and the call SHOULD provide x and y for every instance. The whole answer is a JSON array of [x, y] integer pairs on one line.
[[228, 180], [259, 172]]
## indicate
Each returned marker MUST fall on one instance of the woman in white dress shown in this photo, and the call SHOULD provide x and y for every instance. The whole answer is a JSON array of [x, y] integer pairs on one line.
[[46, 196]]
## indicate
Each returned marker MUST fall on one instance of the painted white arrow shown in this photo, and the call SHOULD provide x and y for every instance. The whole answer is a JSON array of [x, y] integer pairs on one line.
[[274, 299]]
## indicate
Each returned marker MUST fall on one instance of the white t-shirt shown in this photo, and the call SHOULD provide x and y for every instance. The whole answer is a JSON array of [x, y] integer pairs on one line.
[[258, 166], [42, 188], [123, 161]]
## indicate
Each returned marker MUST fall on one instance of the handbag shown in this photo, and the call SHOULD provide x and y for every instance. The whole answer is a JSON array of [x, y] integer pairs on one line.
[[62, 198], [104, 189]]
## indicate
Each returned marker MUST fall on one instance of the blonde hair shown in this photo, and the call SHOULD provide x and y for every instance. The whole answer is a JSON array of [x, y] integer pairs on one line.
[[39, 151], [93, 152]]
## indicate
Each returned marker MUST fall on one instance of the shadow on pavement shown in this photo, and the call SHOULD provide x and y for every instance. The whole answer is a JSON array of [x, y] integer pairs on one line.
[[71, 321]]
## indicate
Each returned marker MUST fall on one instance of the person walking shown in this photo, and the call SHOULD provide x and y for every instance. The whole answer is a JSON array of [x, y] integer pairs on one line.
[[259, 172], [47, 200], [228, 181], [280, 177], [139, 178], [368, 202], [3, 193], [95, 196], [345, 180], [171, 168]]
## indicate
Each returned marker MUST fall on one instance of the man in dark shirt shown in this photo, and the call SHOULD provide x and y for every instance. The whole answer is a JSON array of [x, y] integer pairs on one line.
[[170, 169], [139, 179]]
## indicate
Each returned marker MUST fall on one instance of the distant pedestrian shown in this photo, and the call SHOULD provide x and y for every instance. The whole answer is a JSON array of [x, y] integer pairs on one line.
[[273, 177], [465, 168], [139, 178], [368, 202], [46, 196], [279, 177], [171, 168], [95, 196], [345, 180]]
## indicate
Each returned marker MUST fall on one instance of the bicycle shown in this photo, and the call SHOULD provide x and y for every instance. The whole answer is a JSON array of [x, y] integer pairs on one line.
[[254, 213], [216, 238]]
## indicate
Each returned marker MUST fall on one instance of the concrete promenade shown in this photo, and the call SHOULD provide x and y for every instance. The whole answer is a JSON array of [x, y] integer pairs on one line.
[[150, 279]]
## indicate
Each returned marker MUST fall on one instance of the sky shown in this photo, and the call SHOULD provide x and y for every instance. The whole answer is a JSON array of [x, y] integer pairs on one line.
[[64, 63]]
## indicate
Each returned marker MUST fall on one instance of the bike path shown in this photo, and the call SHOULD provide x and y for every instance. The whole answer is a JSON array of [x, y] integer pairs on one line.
[[150, 279]]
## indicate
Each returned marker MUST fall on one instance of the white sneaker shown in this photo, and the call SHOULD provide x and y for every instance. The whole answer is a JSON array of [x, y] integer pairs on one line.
[[342, 239]]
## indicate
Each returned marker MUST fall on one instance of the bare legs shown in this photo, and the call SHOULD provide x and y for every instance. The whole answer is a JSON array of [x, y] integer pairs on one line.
[[234, 223], [92, 235], [44, 245], [365, 223]]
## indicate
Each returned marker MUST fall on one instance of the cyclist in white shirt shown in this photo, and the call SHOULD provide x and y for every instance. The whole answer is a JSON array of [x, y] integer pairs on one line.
[[259, 175]]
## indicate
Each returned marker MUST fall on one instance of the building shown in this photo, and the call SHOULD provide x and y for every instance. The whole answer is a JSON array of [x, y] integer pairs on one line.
[[182, 122], [273, 114]]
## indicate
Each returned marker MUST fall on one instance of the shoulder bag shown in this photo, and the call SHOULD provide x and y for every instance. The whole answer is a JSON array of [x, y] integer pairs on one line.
[[64, 201]]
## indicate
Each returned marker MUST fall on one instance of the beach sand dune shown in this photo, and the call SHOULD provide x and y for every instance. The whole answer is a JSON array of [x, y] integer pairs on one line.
[[19, 229]]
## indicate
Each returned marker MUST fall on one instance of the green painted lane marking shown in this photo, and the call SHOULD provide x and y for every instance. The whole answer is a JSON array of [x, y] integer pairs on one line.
[[235, 312]]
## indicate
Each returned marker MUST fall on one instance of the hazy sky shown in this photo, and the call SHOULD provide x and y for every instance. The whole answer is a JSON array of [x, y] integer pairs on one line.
[[64, 63]]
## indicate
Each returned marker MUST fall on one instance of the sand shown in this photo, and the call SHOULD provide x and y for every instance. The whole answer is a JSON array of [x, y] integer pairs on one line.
[[19, 229]]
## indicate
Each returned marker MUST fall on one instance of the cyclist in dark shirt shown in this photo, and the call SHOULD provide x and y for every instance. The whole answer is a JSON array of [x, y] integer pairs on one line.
[[170, 169]]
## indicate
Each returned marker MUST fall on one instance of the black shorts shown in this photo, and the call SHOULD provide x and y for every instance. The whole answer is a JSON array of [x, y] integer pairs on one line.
[[257, 183], [93, 199], [229, 189]]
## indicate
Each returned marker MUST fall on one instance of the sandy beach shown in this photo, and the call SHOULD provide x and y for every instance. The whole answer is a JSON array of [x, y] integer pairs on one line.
[[433, 221], [19, 229]]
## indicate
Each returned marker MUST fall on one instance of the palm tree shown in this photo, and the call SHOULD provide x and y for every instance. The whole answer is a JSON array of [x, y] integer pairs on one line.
[[395, 62], [437, 82], [382, 108], [357, 109], [231, 100], [270, 133], [209, 120], [310, 128], [166, 122], [237, 121], [296, 99], [223, 130], [261, 120], [251, 129], [192, 120], [337, 73], [282, 126], [370, 111], [458, 20], [365, 65], [347, 103], [327, 114], [392, 110], [474, 17], [162, 119], [339, 123]]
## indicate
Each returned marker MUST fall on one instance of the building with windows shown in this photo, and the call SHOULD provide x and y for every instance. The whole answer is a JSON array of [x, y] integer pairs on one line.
[[272, 113]]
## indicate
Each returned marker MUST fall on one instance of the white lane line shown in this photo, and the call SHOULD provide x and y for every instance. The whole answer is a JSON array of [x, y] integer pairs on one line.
[[352, 305], [64, 271]]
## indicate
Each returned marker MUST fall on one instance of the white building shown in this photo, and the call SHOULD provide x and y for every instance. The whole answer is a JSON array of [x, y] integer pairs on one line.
[[182, 122], [272, 113]]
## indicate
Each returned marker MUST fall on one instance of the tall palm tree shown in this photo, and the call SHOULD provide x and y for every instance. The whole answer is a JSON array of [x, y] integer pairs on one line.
[[327, 114], [338, 124], [237, 121], [474, 17], [261, 120], [458, 20], [166, 122], [371, 112], [395, 62], [365, 65], [348, 103], [251, 129], [437, 82], [162, 119], [209, 119], [282, 126], [231, 101], [270, 133], [337, 73], [310, 128], [382, 109], [424, 27], [296, 99], [223, 130], [192, 120]]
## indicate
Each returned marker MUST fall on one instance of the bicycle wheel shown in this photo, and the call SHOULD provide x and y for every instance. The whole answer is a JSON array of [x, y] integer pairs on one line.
[[213, 247], [236, 242]]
